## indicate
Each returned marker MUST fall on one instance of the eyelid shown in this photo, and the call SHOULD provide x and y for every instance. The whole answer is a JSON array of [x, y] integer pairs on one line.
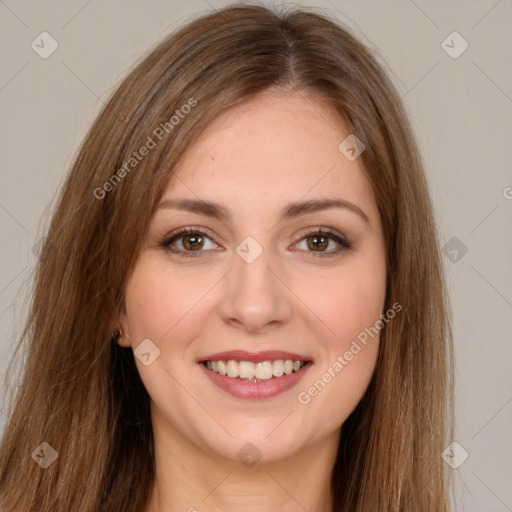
[[332, 234], [167, 240], [311, 230], [190, 230]]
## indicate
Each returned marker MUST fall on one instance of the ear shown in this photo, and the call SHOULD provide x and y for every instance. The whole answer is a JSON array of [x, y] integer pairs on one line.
[[124, 333]]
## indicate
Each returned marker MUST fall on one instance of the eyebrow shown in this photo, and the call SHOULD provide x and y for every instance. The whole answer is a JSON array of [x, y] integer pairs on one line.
[[290, 211]]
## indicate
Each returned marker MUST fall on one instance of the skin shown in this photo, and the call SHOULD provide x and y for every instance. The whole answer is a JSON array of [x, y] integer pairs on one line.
[[278, 148]]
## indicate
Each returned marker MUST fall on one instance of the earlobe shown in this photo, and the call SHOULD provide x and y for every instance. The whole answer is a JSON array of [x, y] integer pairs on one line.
[[120, 335], [120, 339]]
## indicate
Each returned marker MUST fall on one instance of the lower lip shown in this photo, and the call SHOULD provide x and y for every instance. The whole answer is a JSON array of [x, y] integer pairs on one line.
[[260, 389]]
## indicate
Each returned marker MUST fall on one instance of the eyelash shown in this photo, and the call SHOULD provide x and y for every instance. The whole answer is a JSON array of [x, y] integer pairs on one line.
[[167, 241]]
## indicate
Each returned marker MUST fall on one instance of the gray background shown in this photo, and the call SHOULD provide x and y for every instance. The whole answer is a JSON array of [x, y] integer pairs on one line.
[[461, 109]]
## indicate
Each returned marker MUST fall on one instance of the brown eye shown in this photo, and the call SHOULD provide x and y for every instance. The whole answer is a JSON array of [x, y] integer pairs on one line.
[[188, 242], [316, 242], [323, 243], [193, 242]]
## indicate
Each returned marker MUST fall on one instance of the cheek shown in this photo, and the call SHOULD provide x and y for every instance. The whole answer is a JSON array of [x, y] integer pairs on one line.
[[347, 302], [350, 304], [164, 306], [160, 302]]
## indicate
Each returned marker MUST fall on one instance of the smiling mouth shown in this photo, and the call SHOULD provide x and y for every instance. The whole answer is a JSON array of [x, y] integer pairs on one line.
[[255, 372]]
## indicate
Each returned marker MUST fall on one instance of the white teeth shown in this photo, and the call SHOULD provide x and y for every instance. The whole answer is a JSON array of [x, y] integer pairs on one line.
[[247, 370], [221, 365], [232, 368], [263, 370], [278, 368]]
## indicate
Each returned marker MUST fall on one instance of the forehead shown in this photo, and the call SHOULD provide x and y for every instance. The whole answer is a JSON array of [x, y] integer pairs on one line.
[[281, 146]]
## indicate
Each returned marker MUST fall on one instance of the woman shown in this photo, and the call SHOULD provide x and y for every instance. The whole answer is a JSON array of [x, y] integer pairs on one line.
[[240, 302]]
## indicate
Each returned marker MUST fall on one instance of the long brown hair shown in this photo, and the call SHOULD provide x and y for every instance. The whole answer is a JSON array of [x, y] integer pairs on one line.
[[81, 392]]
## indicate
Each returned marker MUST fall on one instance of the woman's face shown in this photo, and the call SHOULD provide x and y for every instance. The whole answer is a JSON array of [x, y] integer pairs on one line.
[[264, 272]]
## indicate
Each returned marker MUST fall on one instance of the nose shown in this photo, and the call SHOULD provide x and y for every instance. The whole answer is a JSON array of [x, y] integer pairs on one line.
[[254, 297]]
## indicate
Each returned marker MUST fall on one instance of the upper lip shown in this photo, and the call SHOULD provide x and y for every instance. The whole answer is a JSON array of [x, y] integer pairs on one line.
[[254, 357]]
